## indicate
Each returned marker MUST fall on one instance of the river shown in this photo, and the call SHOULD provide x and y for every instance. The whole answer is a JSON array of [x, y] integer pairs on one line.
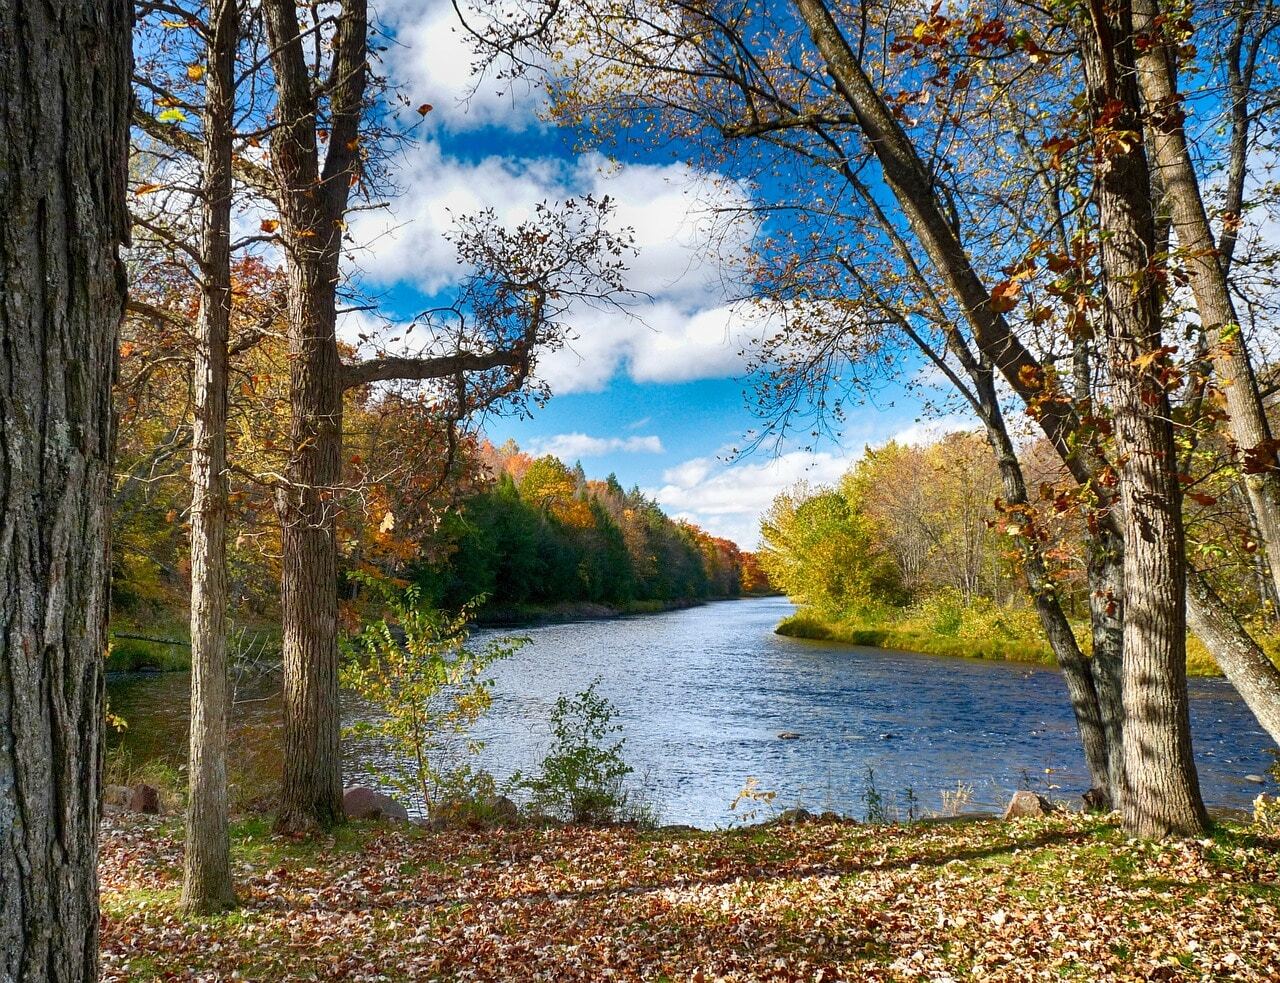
[[704, 693]]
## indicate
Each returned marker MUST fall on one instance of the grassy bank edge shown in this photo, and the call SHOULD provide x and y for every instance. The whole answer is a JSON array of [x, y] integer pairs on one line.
[[807, 625]]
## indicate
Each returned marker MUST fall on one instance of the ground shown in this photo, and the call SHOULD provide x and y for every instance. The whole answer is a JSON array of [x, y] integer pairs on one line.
[[1062, 898]]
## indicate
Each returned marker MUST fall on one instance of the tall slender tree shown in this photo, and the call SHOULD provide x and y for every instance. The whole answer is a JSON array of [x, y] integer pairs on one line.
[[206, 884], [64, 114]]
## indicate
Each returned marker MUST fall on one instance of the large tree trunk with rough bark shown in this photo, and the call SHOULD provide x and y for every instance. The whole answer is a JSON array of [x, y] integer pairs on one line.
[[206, 885], [312, 792], [1161, 789], [312, 201], [64, 115]]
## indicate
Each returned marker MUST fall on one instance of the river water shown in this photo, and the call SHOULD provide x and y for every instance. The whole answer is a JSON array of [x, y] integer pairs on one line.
[[704, 693]]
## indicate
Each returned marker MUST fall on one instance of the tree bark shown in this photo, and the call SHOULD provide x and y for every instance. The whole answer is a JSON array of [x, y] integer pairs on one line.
[[1252, 674], [1105, 577], [1208, 278], [1161, 794], [206, 885], [64, 121], [312, 201]]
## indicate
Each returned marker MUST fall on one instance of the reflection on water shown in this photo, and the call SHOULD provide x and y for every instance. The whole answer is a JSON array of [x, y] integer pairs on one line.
[[704, 693]]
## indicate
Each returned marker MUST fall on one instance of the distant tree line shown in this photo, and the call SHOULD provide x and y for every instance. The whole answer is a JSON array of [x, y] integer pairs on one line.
[[539, 532]]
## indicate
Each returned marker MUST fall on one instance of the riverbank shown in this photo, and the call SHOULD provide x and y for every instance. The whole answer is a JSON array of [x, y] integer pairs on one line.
[[908, 638], [530, 615], [1062, 898]]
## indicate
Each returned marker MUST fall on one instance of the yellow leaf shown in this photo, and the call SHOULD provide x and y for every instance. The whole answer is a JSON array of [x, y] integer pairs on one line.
[[269, 225], [146, 189], [388, 523], [195, 72]]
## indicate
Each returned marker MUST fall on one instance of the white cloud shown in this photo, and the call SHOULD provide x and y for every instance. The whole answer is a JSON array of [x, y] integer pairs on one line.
[[571, 446], [728, 499], [930, 431], [431, 59], [682, 324]]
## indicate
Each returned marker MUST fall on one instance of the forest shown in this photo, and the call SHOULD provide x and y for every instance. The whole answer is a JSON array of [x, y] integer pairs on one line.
[[222, 404], [913, 549], [473, 525]]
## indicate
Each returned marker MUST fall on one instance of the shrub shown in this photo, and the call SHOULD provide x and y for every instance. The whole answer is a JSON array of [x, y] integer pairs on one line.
[[429, 690], [582, 777]]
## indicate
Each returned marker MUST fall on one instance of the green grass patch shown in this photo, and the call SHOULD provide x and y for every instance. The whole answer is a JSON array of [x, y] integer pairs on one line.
[[911, 639], [909, 635]]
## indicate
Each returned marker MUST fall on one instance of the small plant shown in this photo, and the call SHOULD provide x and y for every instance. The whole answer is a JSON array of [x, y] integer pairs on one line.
[[956, 800], [877, 809], [912, 803], [1266, 813], [755, 799], [429, 688], [582, 776]]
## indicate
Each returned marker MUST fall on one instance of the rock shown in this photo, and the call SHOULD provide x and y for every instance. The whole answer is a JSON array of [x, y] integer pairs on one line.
[[831, 817], [1096, 800], [794, 815], [501, 810], [116, 796], [1025, 805], [678, 828], [360, 802], [1256, 779], [887, 736], [788, 735], [144, 798]]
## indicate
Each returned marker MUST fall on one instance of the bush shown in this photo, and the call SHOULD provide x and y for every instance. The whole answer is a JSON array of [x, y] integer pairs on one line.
[[428, 689], [582, 778]]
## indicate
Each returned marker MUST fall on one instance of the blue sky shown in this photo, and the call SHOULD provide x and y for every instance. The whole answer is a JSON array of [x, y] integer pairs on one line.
[[657, 397]]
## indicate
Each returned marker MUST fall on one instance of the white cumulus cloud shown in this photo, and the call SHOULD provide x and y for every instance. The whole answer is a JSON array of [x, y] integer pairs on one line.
[[728, 499], [571, 446]]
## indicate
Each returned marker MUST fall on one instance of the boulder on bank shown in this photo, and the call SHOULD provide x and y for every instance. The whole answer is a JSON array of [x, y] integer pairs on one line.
[[360, 802], [489, 811], [144, 798], [794, 815], [1028, 805]]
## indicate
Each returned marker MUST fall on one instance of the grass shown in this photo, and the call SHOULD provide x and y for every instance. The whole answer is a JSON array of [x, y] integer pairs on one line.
[[138, 654], [1067, 897], [515, 615], [1024, 645]]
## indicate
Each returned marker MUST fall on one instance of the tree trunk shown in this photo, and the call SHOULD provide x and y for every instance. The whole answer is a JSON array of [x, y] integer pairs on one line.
[[64, 116], [1238, 656], [206, 885], [1105, 575], [1161, 789], [1208, 278], [313, 201], [1076, 670], [312, 792]]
